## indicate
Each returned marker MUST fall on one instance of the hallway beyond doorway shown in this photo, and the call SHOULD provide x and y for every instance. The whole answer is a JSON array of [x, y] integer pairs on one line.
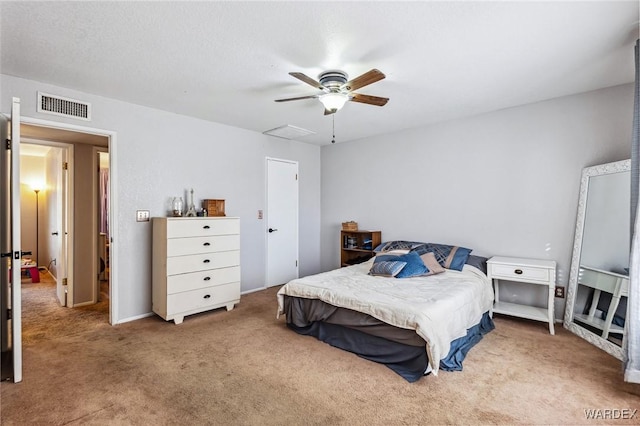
[[44, 319]]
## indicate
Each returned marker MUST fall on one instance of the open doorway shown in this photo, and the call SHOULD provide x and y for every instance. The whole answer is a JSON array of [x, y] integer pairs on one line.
[[68, 256]]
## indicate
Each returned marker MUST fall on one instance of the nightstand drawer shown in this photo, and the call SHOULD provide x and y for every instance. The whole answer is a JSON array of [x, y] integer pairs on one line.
[[516, 273]]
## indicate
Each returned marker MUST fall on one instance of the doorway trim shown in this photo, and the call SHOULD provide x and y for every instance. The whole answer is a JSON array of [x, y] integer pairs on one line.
[[113, 202]]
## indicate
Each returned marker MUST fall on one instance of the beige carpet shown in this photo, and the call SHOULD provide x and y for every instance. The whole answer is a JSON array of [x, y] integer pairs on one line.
[[246, 367]]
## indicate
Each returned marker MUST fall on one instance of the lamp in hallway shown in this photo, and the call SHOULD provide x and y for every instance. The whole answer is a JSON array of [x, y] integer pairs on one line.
[[36, 189]]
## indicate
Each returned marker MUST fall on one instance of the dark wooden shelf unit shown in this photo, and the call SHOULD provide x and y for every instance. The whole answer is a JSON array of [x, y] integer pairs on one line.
[[357, 246]]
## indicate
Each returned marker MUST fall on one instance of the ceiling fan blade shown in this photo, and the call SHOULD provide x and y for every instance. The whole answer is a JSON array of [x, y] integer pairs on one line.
[[363, 80], [311, 82], [329, 111], [368, 99], [296, 99]]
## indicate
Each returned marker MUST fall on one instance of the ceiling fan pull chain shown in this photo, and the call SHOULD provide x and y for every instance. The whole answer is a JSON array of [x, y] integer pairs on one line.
[[333, 117]]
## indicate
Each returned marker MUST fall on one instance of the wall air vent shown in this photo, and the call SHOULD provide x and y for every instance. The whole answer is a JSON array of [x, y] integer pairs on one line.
[[58, 105]]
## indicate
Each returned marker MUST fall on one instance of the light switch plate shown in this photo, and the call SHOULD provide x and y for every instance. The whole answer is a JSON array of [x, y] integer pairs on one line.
[[142, 215]]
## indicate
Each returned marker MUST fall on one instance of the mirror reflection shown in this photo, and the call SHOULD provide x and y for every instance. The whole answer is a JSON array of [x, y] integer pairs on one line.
[[599, 282]]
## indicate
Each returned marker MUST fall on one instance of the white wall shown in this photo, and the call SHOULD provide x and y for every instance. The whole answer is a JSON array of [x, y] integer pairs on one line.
[[159, 155], [503, 183]]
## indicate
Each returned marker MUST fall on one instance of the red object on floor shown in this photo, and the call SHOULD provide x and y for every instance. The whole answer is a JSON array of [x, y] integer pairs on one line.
[[33, 273]]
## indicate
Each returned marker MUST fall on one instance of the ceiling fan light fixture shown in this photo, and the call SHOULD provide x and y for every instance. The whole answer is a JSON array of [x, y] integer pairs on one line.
[[333, 101]]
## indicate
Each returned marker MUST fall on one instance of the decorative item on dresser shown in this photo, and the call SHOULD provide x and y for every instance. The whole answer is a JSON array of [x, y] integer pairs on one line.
[[530, 271], [191, 211], [213, 207], [196, 265]]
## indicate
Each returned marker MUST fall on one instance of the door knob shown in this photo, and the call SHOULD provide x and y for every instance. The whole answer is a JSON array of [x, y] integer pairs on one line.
[[272, 230]]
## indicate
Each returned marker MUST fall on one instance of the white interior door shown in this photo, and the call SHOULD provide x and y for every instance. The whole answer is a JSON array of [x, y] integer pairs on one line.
[[5, 248], [8, 249], [15, 293], [59, 231], [282, 221]]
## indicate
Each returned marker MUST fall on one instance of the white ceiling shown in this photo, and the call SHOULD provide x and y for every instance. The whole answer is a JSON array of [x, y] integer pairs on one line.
[[227, 61]]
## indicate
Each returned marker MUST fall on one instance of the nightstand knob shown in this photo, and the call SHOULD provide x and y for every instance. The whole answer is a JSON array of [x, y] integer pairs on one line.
[[518, 271]]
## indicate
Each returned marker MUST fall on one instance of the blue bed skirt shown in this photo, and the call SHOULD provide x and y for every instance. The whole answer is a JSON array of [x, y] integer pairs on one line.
[[408, 361]]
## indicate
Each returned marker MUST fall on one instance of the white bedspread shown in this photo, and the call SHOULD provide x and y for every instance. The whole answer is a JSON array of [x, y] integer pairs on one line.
[[440, 308]]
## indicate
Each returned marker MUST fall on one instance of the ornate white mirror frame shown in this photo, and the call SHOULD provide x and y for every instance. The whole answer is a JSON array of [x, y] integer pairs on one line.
[[569, 323]]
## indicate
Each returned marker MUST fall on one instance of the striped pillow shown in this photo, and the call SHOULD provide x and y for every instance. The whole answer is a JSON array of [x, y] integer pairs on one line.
[[387, 268]]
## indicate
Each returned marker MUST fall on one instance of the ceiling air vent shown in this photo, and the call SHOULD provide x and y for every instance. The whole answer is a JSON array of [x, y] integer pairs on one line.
[[288, 132], [58, 105]]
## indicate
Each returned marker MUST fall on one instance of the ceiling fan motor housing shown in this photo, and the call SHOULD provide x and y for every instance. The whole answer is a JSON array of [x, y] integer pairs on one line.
[[333, 79]]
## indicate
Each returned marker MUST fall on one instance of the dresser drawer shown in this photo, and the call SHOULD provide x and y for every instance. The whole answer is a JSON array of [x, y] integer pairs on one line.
[[202, 227], [197, 245], [202, 262], [195, 280], [517, 273], [202, 298]]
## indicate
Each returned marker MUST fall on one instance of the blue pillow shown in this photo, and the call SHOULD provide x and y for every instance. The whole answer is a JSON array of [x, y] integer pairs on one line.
[[397, 245], [479, 262], [386, 268], [414, 265], [450, 257]]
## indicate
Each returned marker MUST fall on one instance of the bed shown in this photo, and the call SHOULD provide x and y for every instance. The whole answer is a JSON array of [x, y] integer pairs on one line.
[[415, 324]]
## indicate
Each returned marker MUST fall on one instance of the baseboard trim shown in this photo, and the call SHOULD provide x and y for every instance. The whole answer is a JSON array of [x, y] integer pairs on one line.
[[253, 290], [134, 318]]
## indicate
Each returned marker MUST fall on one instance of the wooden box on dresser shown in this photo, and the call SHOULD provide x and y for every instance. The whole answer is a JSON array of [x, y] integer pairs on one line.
[[196, 265]]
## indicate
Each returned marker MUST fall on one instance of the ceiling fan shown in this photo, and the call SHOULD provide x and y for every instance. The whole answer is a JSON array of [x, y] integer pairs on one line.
[[336, 90]]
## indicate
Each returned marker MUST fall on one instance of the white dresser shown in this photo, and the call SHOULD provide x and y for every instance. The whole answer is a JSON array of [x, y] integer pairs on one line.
[[196, 265]]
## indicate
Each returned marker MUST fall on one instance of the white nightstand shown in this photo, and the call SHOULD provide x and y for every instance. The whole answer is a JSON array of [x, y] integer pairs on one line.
[[531, 271]]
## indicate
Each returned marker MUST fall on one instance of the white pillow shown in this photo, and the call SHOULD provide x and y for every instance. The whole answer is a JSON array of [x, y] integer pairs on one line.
[[397, 252]]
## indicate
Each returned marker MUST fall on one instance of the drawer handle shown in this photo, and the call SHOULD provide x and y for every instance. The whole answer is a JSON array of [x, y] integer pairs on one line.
[[518, 271], [207, 278], [206, 244], [206, 227], [206, 296], [206, 261]]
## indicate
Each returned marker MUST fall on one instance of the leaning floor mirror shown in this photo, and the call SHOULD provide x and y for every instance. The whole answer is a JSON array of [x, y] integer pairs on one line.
[[599, 276]]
